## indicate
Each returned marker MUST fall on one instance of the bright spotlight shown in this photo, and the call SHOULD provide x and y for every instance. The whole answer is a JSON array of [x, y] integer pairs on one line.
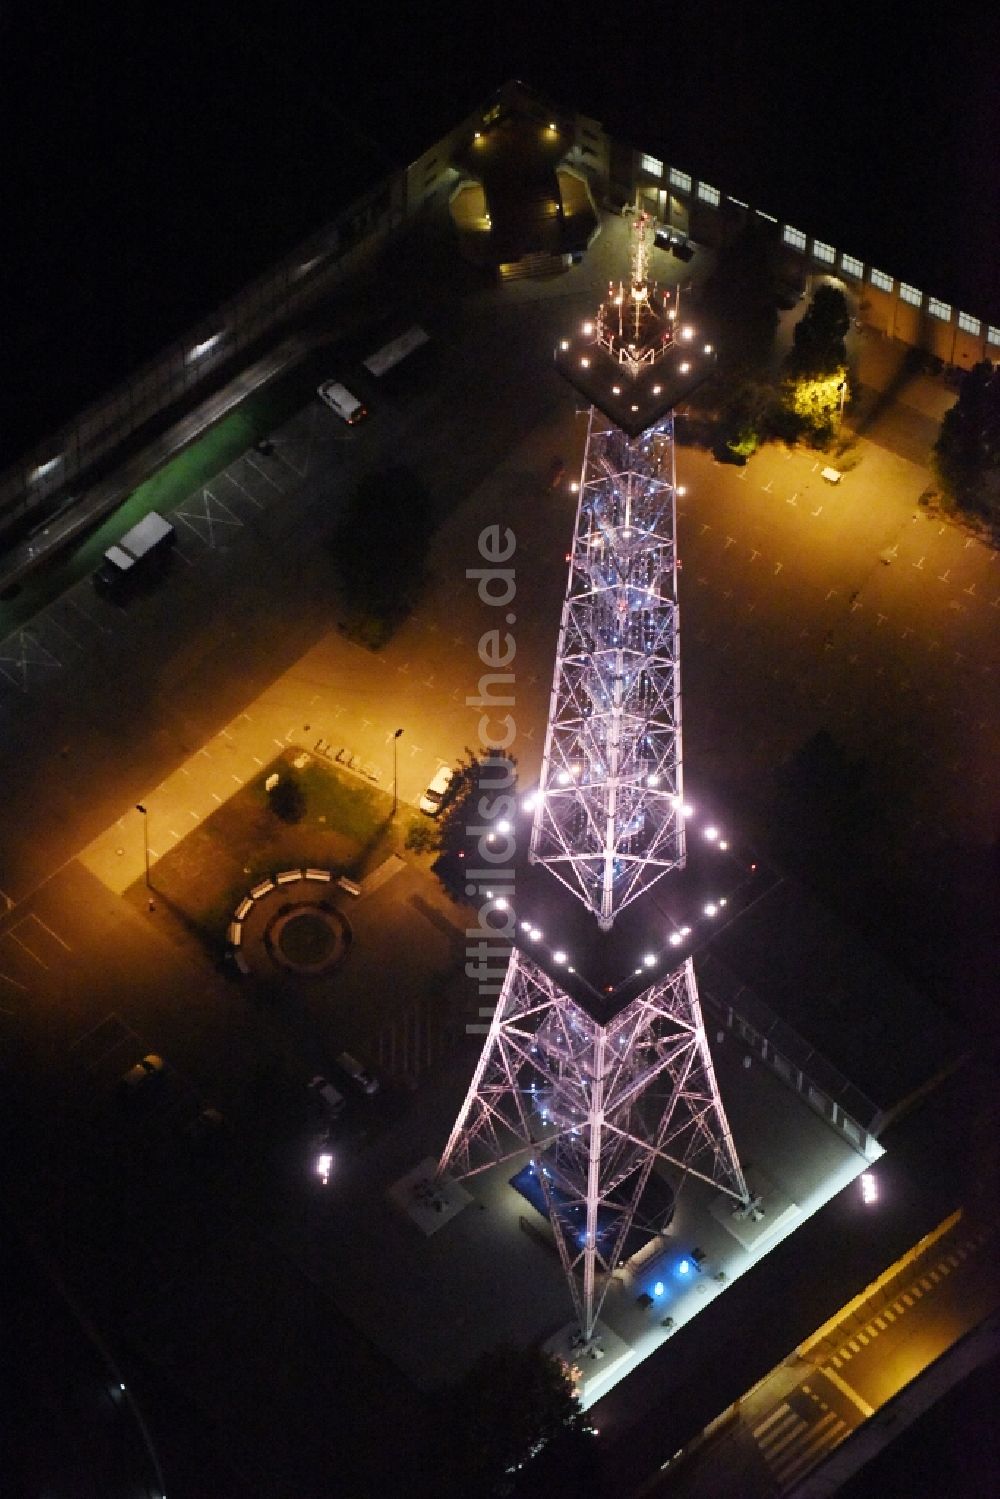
[[323, 1165], [649, 959], [869, 1187], [559, 956], [687, 809], [659, 1288], [711, 909], [684, 1267], [675, 939], [711, 834], [503, 826]]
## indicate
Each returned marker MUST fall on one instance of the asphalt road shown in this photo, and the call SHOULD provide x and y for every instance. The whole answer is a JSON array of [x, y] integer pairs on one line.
[[808, 1405]]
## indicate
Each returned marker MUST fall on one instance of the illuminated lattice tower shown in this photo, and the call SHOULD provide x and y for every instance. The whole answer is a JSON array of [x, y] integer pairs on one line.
[[598, 1069]]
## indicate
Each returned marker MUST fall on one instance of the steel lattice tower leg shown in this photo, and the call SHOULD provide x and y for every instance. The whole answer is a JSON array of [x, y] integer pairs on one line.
[[599, 1106], [601, 1082]]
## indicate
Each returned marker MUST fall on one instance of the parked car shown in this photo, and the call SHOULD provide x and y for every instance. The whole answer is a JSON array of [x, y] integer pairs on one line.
[[143, 1073], [330, 1099], [342, 401], [358, 1074], [432, 798]]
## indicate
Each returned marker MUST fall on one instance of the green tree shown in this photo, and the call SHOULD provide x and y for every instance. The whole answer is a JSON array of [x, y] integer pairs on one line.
[[816, 400], [740, 299], [498, 1423], [380, 551], [287, 799], [967, 451], [818, 346], [475, 813]]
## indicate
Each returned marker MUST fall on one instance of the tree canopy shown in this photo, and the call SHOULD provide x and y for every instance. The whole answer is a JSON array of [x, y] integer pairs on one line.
[[513, 1426], [380, 549], [967, 451], [740, 299], [479, 799], [818, 346]]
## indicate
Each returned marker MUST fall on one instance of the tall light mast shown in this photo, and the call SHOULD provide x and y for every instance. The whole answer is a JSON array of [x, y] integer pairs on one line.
[[596, 1062]]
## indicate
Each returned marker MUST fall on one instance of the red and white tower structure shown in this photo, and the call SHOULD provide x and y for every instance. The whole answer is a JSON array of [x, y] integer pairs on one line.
[[596, 1069]]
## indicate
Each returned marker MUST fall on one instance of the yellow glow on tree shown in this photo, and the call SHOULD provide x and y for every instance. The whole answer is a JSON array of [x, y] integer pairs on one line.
[[817, 398]]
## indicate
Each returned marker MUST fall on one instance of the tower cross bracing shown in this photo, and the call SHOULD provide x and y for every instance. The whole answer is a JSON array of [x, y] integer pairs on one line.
[[606, 1091], [608, 819]]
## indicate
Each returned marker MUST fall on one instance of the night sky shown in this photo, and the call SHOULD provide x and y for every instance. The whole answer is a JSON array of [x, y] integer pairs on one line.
[[155, 157]]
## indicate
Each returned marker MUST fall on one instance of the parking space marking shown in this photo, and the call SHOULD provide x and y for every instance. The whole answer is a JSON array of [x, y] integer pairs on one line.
[[55, 935]]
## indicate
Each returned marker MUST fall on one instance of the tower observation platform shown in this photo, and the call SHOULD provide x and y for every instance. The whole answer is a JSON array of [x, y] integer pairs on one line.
[[596, 1074]]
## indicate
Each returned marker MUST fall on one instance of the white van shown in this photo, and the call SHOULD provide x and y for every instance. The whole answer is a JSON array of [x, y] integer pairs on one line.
[[342, 401], [432, 798]]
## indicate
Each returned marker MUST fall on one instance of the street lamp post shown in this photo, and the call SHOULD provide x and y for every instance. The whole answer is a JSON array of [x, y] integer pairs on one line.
[[395, 795], [145, 839]]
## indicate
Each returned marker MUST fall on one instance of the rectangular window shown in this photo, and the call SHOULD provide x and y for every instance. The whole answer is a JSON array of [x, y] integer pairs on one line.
[[708, 194], [824, 252], [651, 165], [910, 294], [793, 237], [851, 264], [880, 279], [680, 179], [968, 324], [939, 309], [993, 335]]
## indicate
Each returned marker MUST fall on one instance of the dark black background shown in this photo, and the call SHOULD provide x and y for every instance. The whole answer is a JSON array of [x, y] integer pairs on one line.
[[155, 156]]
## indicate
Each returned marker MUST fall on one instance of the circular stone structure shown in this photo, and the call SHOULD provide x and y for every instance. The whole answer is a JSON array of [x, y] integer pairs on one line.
[[307, 938], [292, 922]]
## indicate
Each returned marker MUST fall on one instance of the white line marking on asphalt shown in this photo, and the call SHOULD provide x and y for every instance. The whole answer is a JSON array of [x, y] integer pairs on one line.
[[236, 778], [172, 833], [754, 556], [730, 542], [943, 577], [185, 772], [192, 815], [14, 983], [775, 1415], [768, 487], [217, 797], [205, 753], [247, 717], [831, 594], [777, 568], [225, 734], [279, 742], [817, 511], [28, 950], [47, 928], [918, 565], [257, 759]]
